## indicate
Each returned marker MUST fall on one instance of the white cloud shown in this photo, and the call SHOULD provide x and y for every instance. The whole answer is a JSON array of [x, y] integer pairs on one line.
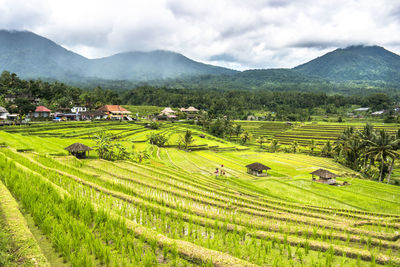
[[239, 34]]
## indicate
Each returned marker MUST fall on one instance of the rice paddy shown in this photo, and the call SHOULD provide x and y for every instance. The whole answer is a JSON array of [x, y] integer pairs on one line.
[[172, 210]]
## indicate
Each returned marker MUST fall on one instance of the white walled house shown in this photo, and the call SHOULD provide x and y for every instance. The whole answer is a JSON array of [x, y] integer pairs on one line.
[[3, 113]]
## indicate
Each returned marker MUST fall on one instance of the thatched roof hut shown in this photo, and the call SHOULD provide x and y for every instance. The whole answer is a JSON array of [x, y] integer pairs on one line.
[[325, 176], [78, 150], [167, 111], [257, 169], [192, 109]]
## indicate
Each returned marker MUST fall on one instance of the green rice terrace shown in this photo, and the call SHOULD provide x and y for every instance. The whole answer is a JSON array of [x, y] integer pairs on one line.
[[170, 209], [303, 133]]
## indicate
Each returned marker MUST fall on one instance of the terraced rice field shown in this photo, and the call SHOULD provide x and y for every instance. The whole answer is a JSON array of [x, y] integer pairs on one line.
[[303, 133], [172, 211]]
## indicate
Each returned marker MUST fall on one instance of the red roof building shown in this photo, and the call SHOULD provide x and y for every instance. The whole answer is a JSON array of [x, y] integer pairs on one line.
[[41, 112], [115, 111], [42, 109]]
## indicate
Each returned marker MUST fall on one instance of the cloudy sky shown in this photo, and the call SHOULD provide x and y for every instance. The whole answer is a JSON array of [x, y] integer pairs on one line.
[[232, 33]]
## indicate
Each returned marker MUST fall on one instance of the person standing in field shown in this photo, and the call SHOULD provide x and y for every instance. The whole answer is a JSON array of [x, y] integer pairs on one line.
[[216, 172], [222, 170]]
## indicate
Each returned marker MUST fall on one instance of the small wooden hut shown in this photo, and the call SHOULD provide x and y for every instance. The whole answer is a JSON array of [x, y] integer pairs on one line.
[[257, 169], [78, 150], [325, 176]]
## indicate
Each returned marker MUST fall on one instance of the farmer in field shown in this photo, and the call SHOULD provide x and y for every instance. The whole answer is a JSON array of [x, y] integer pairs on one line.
[[216, 172]]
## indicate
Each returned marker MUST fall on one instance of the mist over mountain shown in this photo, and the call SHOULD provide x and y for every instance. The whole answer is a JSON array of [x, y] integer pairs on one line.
[[31, 56]]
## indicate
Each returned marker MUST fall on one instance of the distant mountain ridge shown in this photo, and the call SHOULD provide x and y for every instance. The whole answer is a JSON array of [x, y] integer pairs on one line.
[[355, 63], [32, 56]]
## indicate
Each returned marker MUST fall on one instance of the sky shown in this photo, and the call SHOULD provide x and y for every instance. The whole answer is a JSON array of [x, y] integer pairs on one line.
[[238, 34]]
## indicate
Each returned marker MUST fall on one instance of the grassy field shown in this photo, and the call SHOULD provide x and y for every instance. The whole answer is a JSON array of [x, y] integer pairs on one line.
[[171, 210]]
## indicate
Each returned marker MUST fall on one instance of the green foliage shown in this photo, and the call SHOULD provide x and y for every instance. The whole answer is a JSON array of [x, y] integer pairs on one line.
[[187, 139], [108, 149], [154, 125], [157, 139], [244, 137]]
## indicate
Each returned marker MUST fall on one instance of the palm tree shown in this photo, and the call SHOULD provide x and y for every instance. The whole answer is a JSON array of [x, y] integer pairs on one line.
[[382, 147], [244, 137], [274, 145], [187, 139], [312, 146], [294, 146], [261, 141], [238, 129], [141, 155], [327, 149]]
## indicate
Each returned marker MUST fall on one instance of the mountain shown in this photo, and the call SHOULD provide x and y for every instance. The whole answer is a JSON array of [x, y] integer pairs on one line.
[[32, 56], [146, 66], [355, 63]]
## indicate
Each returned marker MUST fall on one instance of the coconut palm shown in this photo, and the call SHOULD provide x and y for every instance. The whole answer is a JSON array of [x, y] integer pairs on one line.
[[381, 148], [261, 141], [244, 137], [312, 146], [294, 146], [274, 145]]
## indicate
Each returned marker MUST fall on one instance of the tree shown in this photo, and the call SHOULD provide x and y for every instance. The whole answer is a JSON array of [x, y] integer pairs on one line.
[[157, 139], [24, 106], [238, 129], [141, 155], [244, 137], [187, 139], [312, 146], [274, 145], [294, 146], [381, 148], [104, 146], [261, 141], [327, 149]]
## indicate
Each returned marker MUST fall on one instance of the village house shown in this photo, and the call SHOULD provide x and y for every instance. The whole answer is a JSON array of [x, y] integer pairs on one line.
[[257, 169], [41, 112], [191, 112], [3, 113], [252, 118], [115, 112], [167, 113]]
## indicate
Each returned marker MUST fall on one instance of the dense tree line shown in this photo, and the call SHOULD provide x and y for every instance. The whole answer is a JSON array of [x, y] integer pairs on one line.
[[236, 104], [50, 94]]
